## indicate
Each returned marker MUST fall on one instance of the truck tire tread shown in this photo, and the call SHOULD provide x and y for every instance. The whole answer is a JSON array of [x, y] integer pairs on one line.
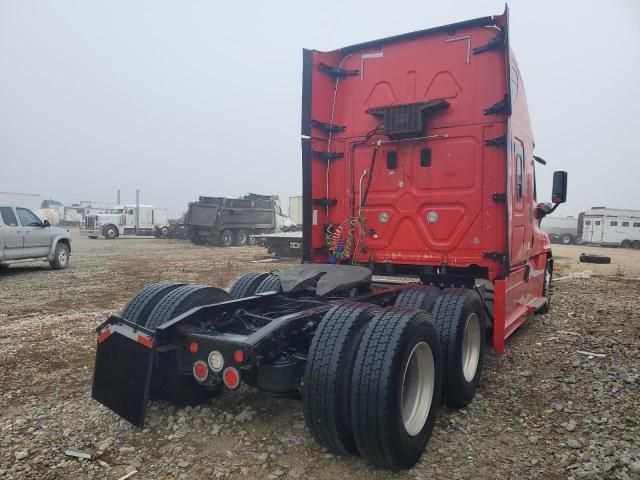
[[246, 285], [269, 284], [423, 297], [166, 382], [140, 306], [450, 315], [182, 299], [593, 258], [377, 423], [327, 376]]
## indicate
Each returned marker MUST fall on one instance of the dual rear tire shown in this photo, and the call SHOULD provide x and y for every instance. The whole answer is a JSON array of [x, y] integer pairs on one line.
[[239, 238], [157, 304], [253, 283], [372, 383], [459, 317], [375, 378]]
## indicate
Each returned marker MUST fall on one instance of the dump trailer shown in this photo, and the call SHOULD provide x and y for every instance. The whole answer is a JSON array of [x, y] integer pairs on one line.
[[233, 221], [414, 165]]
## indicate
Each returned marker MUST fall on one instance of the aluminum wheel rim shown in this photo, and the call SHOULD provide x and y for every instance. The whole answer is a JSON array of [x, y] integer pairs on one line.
[[62, 256], [418, 382], [471, 343]]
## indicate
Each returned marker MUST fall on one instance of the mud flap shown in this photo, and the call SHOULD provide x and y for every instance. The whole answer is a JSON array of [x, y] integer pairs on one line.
[[122, 373]]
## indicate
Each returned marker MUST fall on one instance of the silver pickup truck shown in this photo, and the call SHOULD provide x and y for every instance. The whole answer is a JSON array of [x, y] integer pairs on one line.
[[23, 236]]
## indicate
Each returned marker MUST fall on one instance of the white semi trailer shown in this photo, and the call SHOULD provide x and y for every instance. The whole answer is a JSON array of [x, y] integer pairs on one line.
[[122, 221], [611, 227]]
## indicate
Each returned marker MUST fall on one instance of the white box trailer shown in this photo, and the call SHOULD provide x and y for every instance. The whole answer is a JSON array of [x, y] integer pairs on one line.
[[295, 210], [611, 227], [32, 201]]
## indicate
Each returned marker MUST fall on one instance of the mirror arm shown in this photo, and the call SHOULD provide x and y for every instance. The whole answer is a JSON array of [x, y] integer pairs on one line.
[[553, 209], [543, 213]]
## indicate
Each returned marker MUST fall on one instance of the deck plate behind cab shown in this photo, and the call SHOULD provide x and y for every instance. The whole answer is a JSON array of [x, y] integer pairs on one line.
[[326, 278], [122, 377]]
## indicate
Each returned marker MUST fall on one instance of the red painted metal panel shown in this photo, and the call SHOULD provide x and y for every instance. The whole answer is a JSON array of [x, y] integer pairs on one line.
[[461, 193], [415, 214]]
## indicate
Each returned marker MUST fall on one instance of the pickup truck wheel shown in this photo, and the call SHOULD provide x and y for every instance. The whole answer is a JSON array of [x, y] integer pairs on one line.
[[241, 238], [422, 297], [140, 306], [246, 285], [395, 388], [460, 321], [226, 238], [60, 257], [327, 376], [110, 232], [269, 284]]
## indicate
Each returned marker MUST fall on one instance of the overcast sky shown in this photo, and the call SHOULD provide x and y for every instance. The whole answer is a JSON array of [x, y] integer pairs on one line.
[[182, 98]]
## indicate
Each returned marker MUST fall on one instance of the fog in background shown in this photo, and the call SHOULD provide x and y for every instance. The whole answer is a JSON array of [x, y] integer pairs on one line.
[[182, 98]]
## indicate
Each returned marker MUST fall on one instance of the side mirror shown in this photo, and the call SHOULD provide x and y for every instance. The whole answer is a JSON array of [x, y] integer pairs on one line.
[[559, 191], [46, 224]]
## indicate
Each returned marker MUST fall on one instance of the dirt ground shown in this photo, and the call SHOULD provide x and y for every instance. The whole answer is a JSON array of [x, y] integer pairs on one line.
[[544, 410]]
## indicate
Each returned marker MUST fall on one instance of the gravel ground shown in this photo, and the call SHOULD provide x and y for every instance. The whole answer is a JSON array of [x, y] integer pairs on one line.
[[544, 410]]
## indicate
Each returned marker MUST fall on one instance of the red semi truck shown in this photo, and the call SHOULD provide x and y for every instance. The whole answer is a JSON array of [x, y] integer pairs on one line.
[[417, 157]]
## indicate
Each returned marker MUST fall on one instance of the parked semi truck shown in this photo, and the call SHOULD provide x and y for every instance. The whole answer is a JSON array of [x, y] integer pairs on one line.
[[233, 221], [122, 221], [412, 166]]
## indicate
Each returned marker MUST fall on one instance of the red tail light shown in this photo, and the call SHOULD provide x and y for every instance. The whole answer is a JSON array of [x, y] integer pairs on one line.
[[193, 347], [238, 356], [231, 377], [200, 371]]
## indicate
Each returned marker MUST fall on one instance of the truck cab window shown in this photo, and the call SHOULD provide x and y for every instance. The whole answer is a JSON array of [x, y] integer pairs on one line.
[[28, 218], [8, 217], [518, 150], [513, 85]]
